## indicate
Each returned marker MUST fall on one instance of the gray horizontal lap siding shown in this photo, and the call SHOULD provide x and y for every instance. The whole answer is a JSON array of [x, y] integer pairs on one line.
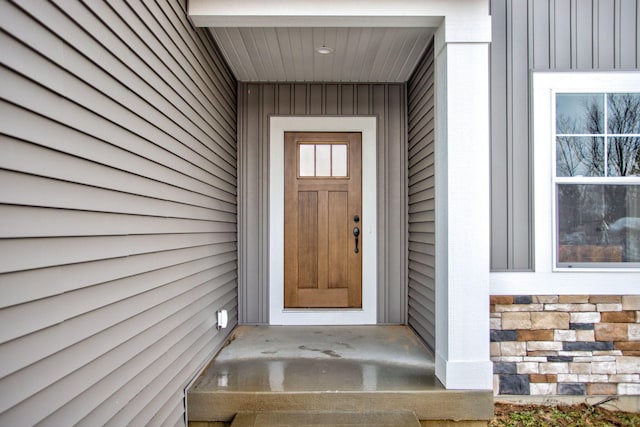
[[577, 35], [256, 103], [118, 210], [421, 210]]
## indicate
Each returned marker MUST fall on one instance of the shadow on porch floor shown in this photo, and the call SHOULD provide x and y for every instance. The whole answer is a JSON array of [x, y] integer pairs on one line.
[[330, 369]]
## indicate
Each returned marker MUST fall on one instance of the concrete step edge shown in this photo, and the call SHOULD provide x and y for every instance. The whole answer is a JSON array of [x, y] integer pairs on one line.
[[326, 418], [449, 405]]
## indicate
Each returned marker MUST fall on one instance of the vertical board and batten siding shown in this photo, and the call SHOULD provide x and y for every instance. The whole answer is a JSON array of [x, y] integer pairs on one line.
[[258, 101], [577, 35], [421, 181], [118, 236]]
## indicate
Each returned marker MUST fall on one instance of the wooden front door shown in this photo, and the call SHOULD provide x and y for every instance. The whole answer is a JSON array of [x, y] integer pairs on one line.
[[322, 217]]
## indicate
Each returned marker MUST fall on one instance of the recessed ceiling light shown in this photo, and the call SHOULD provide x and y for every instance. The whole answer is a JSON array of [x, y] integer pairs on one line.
[[324, 50]]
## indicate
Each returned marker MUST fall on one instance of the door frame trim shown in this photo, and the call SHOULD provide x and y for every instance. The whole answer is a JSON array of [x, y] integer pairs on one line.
[[367, 315]]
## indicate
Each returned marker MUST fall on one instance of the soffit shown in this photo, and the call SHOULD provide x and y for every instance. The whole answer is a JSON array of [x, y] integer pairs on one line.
[[374, 41], [287, 54]]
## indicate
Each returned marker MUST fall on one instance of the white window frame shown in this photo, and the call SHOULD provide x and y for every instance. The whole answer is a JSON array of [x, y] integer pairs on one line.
[[546, 279]]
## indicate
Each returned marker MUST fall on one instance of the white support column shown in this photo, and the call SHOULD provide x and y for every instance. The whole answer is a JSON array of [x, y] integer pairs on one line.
[[462, 205]]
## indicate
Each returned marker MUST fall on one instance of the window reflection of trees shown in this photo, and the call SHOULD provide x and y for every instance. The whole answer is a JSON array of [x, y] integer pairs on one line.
[[624, 119], [580, 156], [585, 155], [600, 214]]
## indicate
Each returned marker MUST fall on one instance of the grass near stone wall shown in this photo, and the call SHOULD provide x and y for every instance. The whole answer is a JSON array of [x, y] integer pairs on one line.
[[509, 415]]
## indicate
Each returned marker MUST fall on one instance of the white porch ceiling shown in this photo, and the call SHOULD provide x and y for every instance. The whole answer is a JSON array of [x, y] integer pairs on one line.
[[374, 40], [287, 54]]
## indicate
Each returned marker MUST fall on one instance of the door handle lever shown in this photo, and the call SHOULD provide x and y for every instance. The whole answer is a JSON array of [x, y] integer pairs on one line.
[[356, 233]]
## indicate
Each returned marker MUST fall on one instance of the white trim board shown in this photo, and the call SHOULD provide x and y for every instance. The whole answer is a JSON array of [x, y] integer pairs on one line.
[[278, 125]]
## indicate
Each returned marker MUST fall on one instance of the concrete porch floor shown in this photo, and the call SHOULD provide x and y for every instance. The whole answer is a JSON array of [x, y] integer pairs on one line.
[[331, 369]]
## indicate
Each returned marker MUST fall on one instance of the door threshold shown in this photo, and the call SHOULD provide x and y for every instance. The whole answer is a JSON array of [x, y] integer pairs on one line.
[[321, 310], [321, 316]]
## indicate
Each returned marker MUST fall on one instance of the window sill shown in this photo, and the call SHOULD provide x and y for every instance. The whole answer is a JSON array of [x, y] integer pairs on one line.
[[566, 282]]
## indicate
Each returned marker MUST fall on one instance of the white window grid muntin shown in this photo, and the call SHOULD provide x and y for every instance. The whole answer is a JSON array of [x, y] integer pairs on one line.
[[607, 180]]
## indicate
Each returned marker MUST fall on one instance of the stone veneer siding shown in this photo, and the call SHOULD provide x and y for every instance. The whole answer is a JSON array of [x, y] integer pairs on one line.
[[566, 344]]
